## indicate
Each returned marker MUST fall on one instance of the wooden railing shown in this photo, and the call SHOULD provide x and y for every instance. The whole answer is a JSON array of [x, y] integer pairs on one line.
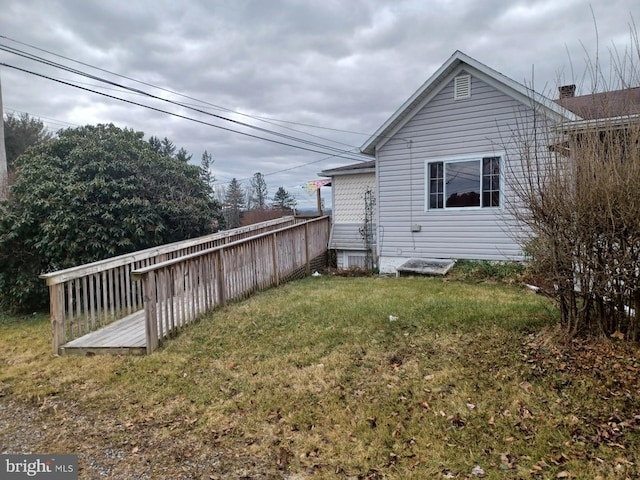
[[88, 297], [177, 291]]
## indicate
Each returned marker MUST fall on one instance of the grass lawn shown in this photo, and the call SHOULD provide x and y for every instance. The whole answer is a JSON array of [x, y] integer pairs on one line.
[[312, 379]]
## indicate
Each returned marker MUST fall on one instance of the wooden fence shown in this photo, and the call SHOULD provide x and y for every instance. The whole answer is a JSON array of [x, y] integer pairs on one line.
[[89, 297], [177, 291]]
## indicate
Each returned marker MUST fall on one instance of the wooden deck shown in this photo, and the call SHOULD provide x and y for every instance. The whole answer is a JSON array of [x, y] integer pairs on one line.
[[122, 337]]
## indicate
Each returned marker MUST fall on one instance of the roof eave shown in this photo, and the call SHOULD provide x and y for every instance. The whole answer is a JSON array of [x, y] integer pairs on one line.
[[329, 173], [452, 63], [597, 123]]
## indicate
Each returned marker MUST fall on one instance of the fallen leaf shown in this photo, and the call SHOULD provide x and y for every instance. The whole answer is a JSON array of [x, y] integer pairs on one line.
[[505, 461], [526, 386], [564, 474], [284, 456], [477, 471]]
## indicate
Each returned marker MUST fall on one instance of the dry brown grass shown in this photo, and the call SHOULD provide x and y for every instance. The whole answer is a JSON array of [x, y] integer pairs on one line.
[[313, 379]]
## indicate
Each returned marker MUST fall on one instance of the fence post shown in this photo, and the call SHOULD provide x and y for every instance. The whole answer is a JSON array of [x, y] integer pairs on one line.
[[56, 309], [274, 257], [221, 279], [150, 311], [306, 247]]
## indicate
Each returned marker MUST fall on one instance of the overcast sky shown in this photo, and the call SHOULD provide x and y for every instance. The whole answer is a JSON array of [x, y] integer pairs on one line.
[[284, 65]]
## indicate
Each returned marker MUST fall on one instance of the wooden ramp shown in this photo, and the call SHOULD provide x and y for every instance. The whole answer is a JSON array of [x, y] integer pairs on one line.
[[167, 294], [84, 297], [122, 337]]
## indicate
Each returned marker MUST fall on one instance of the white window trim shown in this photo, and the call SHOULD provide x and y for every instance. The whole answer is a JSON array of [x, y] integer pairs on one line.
[[455, 159]]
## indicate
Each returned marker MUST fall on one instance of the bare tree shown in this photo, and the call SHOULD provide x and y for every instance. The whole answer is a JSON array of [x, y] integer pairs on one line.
[[576, 187], [257, 193]]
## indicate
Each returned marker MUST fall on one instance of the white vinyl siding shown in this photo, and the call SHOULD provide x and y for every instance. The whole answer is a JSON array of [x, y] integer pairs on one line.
[[446, 128]]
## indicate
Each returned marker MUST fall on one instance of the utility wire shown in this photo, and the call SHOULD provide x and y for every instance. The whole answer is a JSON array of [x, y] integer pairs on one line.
[[257, 117], [51, 120], [342, 152], [339, 154]]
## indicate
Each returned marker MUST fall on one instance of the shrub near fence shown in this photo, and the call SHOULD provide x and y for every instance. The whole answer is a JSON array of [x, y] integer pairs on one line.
[[177, 291]]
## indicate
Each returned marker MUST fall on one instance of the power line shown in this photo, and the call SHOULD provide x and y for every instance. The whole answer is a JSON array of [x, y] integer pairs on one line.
[[155, 97], [54, 120], [257, 117], [283, 170], [339, 154]]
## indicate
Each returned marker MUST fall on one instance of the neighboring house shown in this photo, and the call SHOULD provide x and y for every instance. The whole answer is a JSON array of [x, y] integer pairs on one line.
[[441, 162], [617, 104], [353, 190]]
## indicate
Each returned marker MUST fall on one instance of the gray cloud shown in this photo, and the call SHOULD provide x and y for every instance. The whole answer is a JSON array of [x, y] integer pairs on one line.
[[338, 64]]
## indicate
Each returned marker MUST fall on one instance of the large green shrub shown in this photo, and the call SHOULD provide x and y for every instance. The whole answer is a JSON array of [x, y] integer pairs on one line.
[[92, 193]]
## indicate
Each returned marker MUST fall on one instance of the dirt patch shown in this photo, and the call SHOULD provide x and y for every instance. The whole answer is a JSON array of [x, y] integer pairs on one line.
[[110, 447]]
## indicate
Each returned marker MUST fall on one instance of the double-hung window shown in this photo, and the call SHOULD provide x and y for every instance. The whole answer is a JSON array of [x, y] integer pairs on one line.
[[464, 183]]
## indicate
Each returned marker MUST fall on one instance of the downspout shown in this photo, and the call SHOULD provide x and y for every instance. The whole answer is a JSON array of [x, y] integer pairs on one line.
[[413, 237], [379, 229]]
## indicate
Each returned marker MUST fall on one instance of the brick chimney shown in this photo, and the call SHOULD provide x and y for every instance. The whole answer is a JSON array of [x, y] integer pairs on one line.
[[567, 91]]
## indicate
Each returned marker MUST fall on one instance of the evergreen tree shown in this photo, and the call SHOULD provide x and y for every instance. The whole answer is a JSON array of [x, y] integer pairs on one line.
[[167, 148], [183, 155], [21, 132], [283, 200], [233, 204], [156, 144], [206, 165]]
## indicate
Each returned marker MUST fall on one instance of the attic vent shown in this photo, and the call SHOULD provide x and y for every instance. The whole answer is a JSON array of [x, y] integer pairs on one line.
[[462, 87]]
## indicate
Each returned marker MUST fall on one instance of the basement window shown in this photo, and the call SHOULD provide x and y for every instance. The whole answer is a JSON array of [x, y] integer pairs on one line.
[[462, 87], [463, 183]]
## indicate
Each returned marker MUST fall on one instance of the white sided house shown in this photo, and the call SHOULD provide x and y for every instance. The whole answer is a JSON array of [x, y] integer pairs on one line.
[[353, 190], [442, 161]]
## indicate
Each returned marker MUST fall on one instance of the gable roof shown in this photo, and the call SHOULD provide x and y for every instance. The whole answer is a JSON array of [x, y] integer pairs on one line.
[[617, 103], [362, 167], [435, 82]]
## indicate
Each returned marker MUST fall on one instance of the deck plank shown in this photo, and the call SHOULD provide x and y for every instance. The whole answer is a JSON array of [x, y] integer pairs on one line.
[[126, 335]]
